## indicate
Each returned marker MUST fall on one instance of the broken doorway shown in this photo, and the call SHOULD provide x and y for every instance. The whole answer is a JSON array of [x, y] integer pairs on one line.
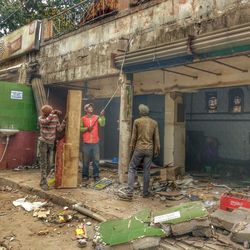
[[218, 131]]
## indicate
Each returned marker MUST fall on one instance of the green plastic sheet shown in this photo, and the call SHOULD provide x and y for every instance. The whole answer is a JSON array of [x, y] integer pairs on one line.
[[117, 232], [181, 213]]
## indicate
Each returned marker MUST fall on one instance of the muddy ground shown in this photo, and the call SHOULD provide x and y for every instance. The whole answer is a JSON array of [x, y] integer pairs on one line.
[[19, 230]]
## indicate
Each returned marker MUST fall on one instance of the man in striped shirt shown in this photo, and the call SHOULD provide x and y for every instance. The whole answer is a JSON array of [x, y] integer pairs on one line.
[[49, 125]]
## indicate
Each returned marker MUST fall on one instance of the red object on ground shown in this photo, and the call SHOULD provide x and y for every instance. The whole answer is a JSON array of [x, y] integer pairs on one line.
[[59, 163], [231, 201], [21, 150]]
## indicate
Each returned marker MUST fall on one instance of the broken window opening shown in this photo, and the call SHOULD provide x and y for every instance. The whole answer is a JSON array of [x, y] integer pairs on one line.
[[236, 101], [212, 102]]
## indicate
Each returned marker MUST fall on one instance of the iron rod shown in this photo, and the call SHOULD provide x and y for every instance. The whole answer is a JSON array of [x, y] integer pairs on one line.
[[178, 73], [203, 70], [230, 66]]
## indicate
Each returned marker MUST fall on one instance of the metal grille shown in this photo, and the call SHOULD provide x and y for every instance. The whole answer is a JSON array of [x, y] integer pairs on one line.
[[80, 14]]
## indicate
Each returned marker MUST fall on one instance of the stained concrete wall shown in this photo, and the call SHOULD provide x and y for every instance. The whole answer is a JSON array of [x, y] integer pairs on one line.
[[231, 129], [86, 53]]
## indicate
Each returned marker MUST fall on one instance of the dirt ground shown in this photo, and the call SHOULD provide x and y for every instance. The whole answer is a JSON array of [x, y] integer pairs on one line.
[[19, 230]]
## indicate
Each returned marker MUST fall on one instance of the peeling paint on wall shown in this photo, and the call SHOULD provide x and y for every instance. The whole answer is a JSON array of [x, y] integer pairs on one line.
[[86, 54]]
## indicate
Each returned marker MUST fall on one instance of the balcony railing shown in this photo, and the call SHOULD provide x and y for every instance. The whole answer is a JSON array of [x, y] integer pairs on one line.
[[82, 13]]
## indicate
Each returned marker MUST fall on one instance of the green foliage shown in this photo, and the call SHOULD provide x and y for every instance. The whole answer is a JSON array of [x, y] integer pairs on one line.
[[22, 12]]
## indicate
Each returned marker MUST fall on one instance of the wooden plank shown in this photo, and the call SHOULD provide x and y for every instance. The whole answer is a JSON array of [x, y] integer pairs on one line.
[[39, 94], [72, 140]]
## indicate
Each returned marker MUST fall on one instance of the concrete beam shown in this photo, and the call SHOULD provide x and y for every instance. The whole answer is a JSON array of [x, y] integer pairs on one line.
[[125, 127], [174, 136]]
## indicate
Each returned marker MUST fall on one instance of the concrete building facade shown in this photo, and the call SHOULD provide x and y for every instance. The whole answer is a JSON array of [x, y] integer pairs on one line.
[[164, 48]]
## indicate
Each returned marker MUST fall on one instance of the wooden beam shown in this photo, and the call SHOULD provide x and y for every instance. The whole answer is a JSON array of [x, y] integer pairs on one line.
[[39, 94], [72, 140]]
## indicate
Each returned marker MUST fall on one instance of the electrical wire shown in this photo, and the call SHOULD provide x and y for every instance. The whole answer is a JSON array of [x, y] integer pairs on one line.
[[120, 80]]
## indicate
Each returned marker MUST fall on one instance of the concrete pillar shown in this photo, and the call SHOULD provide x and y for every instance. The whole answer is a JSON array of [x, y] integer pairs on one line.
[[175, 131], [125, 126]]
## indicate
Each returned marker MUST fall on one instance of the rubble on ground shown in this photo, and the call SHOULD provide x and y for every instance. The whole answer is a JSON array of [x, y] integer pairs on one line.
[[237, 223]]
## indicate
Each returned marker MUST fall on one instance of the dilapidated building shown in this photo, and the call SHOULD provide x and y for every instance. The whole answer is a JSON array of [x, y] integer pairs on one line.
[[188, 60]]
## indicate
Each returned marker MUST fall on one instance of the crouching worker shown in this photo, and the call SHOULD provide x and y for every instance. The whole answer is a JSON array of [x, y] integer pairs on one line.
[[49, 124], [145, 144]]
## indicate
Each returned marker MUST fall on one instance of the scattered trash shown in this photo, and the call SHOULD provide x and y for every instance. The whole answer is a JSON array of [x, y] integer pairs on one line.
[[12, 238], [43, 232], [64, 217], [88, 223], [185, 183], [41, 213], [103, 183], [81, 232], [28, 206], [193, 197], [6, 189], [171, 195], [51, 178], [221, 186], [51, 182], [82, 243], [208, 204]]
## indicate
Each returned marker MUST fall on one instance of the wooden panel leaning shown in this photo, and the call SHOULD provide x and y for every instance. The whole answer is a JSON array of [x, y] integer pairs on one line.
[[72, 140]]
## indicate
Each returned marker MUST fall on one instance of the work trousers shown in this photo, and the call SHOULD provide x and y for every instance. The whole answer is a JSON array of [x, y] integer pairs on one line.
[[46, 160], [137, 158], [91, 153]]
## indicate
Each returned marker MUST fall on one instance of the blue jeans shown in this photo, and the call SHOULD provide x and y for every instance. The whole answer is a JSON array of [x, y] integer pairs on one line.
[[91, 152]]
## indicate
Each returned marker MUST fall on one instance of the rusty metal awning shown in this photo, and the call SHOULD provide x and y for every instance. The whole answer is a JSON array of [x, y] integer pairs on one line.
[[211, 46]]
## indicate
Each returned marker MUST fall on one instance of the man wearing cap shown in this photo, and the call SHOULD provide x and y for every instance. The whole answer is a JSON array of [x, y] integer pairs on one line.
[[90, 129], [49, 124], [145, 144]]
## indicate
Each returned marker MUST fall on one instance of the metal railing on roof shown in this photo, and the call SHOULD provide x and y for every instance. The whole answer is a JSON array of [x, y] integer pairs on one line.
[[82, 13]]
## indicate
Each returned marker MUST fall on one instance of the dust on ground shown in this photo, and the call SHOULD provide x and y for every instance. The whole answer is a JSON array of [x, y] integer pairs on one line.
[[19, 230]]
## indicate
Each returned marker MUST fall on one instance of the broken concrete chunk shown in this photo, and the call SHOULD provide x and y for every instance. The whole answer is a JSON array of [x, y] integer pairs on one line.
[[241, 232], [170, 173], [224, 219], [227, 220], [199, 227], [146, 243]]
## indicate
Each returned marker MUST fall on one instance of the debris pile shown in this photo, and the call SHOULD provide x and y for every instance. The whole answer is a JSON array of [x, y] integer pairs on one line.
[[235, 223], [186, 218]]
